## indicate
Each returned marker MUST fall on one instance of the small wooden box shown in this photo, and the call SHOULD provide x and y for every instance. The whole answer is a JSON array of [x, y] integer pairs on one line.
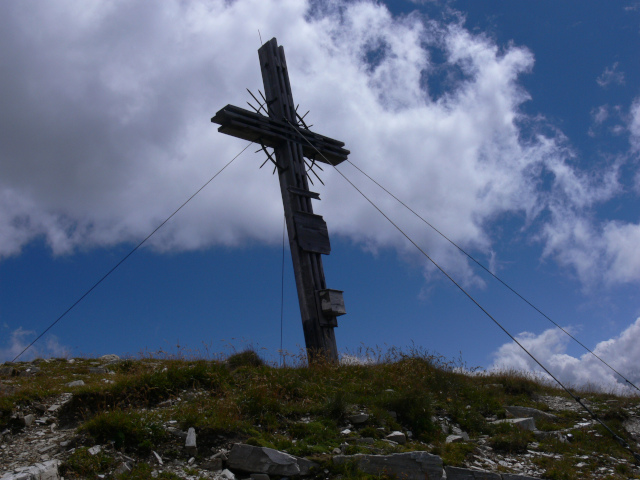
[[331, 302]]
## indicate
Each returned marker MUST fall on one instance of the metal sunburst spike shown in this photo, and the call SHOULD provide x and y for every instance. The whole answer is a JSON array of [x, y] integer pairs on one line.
[[269, 158], [300, 119], [310, 169], [268, 104], [260, 105]]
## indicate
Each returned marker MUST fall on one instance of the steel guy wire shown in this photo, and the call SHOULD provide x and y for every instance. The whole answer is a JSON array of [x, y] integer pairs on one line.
[[284, 229], [619, 439], [494, 275], [82, 297]]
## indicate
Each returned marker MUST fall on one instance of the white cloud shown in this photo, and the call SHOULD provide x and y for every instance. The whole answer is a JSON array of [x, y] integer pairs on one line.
[[608, 119], [611, 75], [605, 255], [105, 128], [434, 2], [634, 136], [20, 338], [599, 251], [623, 252], [585, 371], [600, 114], [634, 126], [572, 241]]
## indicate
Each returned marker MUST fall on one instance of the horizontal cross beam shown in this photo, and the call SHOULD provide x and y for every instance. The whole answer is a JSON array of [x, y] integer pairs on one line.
[[241, 123]]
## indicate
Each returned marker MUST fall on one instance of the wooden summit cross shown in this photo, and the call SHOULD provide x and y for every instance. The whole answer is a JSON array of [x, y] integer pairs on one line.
[[285, 131]]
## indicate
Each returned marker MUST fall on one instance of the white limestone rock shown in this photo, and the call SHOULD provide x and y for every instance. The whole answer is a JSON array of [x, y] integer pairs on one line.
[[95, 450], [512, 476], [397, 437], [157, 457], [190, 442], [358, 418], [454, 439], [111, 357], [227, 475], [40, 471], [523, 423], [408, 466], [248, 458], [528, 412], [455, 473]]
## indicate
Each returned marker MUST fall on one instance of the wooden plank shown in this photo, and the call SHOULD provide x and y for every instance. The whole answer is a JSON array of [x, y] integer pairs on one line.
[[251, 126], [269, 127], [304, 193], [308, 234], [312, 233], [319, 336]]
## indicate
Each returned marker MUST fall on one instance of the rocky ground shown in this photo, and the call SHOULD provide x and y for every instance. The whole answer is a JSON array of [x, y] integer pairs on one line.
[[43, 436]]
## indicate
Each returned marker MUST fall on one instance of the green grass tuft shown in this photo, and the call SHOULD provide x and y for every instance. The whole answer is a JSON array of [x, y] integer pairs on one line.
[[81, 464], [131, 430]]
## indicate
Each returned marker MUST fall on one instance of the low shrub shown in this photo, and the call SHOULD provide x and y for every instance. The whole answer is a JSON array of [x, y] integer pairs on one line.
[[129, 429], [516, 382], [455, 453], [246, 358], [510, 439], [415, 410], [337, 406], [83, 465]]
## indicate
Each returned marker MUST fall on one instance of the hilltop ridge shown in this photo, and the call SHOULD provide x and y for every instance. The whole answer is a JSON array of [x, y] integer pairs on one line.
[[182, 418]]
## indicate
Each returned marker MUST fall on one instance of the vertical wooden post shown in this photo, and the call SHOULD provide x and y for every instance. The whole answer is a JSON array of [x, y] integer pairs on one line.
[[307, 262]]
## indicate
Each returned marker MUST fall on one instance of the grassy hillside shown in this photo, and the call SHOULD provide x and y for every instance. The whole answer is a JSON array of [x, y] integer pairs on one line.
[[137, 406]]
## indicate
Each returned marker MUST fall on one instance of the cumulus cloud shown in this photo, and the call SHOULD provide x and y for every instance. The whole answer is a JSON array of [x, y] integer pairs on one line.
[[105, 128], [550, 348], [18, 340]]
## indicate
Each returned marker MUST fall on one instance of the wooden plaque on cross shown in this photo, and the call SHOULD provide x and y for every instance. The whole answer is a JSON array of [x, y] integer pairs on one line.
[[308, 235]]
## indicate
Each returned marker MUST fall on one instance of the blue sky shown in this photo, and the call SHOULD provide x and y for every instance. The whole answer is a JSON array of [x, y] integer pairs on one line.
[[513, 127]]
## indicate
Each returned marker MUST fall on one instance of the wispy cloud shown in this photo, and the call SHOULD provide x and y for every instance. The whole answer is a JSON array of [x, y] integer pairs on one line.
[[600, 252], [611, 76], [600, 114], [550, 348], [609, 120], [634, 126], [18, 340]]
